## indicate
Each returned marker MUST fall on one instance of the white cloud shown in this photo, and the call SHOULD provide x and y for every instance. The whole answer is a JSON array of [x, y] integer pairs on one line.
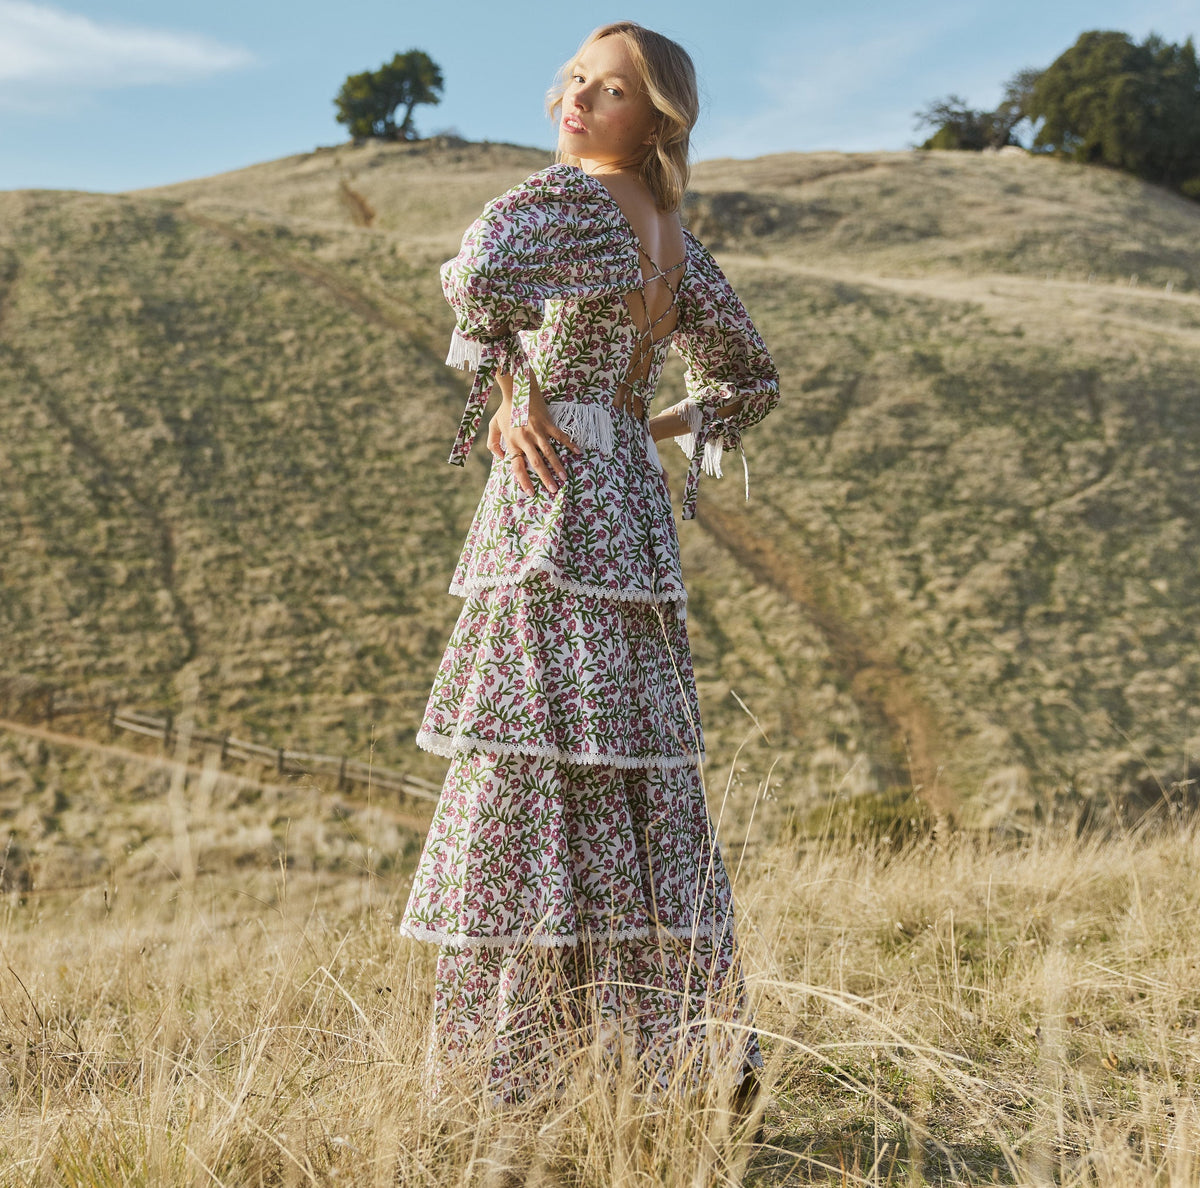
[[44, 45]]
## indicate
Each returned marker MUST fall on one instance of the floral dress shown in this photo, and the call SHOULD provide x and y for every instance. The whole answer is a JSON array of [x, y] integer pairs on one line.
[[570, 875]]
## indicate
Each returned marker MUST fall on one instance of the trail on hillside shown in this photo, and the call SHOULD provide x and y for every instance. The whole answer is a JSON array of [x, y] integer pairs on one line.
[[108, 481], [882, 690], [1129, 306], [389, 313]]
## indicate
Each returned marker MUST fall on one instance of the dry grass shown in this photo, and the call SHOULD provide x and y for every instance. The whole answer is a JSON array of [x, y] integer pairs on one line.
[[243, 1012]]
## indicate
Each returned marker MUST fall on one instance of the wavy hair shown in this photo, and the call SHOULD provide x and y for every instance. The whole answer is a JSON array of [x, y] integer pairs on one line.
[[667, 75]]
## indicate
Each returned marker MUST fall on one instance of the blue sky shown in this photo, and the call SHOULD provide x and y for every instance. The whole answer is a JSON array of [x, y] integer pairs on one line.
[[117, 94]]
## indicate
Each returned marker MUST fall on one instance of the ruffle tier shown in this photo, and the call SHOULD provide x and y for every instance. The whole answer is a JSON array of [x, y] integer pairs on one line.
[[537, 670], [524, 850], [520, 1019], [608, 531]]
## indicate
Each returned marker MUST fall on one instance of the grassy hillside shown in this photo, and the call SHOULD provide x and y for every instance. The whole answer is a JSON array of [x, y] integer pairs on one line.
[[967, 559]]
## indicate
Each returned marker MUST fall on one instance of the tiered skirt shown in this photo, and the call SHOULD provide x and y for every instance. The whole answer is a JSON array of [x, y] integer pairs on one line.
[[571, 876]]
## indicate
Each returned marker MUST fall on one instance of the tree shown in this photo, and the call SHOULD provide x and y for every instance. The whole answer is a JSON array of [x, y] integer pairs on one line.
[[962, 127], [367, 102], [1110, 101]]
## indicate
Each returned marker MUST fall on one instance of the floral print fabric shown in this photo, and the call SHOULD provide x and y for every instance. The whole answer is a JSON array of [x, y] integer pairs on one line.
[[609, 530], [570, 876], [526, 850], [517, 1018], [536, 670], [539, 284]]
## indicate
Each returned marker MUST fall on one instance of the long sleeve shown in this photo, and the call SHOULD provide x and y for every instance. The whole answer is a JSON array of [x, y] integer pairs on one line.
[[726, 362], [553, 235]]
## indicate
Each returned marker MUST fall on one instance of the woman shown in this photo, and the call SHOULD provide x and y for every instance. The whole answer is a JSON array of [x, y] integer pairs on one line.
[[570, 874]]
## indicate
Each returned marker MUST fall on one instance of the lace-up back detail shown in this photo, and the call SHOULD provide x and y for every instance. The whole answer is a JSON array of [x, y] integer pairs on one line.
[[640, 375]]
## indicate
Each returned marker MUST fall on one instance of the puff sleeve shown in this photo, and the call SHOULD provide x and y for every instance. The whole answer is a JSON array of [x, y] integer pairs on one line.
[[726, 361], [552, 236]]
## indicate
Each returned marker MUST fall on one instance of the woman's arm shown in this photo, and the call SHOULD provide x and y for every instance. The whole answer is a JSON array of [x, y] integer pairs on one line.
[[669, 423]]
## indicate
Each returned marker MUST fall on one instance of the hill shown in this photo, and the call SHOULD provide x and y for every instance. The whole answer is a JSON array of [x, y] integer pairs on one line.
[[967, 558]]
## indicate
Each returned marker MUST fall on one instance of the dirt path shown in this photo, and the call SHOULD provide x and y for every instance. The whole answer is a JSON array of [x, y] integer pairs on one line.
[[1140, 309], [882, 690], [387, 313]]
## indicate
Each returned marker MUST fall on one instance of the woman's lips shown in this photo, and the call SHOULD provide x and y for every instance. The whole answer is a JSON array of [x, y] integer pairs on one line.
[[571, 124]]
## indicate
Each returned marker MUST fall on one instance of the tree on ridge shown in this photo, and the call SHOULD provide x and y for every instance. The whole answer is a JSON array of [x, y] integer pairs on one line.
[[367, 102]]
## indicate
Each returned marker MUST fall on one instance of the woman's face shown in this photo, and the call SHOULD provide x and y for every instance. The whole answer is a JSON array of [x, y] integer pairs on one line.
[[607, 119]]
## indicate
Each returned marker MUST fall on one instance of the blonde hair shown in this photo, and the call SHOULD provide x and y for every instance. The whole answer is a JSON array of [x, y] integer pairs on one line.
[[667, 76]]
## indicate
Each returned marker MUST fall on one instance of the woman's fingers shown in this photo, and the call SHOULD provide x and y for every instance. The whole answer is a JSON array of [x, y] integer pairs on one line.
[[532, 452], [494, 439], [565, 439], [521, 474], [541, 460]]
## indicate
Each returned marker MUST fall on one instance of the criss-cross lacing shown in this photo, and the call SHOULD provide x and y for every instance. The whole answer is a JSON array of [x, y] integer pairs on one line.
[[645, 342]]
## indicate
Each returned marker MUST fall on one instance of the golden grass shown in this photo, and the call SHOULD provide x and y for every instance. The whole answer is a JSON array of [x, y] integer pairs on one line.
[[958, 1010]]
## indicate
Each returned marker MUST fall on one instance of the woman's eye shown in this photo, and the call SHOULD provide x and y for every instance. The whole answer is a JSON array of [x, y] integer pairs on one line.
[[577, 78], [614, 91]]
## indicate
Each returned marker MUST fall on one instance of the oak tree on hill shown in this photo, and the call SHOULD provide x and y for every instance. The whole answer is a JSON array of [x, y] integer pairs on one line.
[[367, 102], [1109, 101], [1106, 101]]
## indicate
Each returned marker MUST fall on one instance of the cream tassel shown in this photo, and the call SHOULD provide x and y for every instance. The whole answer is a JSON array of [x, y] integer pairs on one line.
[[652, 453], [712, 458], [588, 425], [693, 416], [463, 354]]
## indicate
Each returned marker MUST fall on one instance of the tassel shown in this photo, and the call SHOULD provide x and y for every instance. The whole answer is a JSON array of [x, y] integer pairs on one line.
[[693, 416], [589, 425], [463, 354], [712, 458]]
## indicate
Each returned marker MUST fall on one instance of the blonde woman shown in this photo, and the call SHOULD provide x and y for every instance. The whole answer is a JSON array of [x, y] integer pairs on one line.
[[570, 876]]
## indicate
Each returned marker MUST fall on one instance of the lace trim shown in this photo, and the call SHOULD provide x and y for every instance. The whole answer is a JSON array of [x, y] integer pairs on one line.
[[539, 940], [440, 744], [550, 570]]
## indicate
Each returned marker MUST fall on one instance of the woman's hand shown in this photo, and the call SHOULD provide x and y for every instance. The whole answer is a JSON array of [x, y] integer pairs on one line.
[[529, 447]]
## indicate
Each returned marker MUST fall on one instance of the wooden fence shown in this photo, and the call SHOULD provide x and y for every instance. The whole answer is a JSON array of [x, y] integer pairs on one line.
[[41, 703]]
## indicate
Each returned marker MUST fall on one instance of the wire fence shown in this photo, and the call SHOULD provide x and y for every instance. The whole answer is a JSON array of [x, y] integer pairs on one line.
[[36, 703]]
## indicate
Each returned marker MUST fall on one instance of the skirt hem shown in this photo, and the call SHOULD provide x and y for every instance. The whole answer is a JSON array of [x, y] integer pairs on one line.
[[453, 940], [449, 746], [465, 587]]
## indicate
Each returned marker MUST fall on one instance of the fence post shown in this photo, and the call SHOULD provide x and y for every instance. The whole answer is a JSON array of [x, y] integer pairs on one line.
[[279, 762], [224, 749], [112, 719], [167, 727], [341, 784]]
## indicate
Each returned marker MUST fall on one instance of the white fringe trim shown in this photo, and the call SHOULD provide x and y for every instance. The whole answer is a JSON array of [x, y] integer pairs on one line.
[[693, 415], [539, 940], [590, 425], [463, 353], [712, 459], [548, 568], [439, 744]]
